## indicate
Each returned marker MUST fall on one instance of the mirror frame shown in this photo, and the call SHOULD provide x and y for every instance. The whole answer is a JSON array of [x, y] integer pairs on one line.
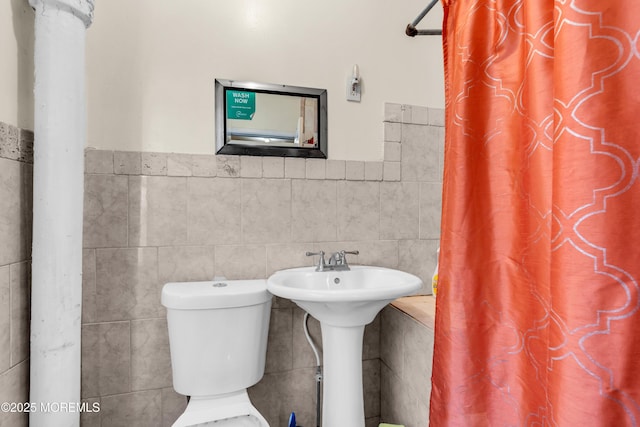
[[221, 87]]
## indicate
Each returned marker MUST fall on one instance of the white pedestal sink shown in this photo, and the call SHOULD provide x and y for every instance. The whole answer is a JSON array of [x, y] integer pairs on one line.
[[344, 302]]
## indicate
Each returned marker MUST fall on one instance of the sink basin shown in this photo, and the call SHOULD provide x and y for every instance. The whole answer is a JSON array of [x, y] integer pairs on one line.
[[343, 298], [344, 302]]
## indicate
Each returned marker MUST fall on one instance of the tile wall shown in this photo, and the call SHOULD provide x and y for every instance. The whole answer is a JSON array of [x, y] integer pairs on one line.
[[16, 183], [151, 218], [406, 352]]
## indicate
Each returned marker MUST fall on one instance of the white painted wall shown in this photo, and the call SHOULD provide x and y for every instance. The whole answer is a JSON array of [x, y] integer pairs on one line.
[[151, 66], [16, 64]]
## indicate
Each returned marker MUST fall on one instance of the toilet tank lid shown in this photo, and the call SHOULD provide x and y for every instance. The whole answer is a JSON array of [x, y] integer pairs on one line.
[[215, 294]]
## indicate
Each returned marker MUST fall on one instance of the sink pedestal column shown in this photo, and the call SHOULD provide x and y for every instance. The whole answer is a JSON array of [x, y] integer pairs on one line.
[[342, 401]]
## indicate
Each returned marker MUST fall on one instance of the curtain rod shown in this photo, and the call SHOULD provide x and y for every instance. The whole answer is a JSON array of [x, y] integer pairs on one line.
[[411, 30]]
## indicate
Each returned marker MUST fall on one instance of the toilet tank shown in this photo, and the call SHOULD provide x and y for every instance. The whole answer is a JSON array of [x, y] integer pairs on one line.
[[217, 334]]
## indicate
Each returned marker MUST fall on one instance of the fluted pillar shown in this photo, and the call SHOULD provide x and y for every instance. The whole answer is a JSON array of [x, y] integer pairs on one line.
[[58, 187]]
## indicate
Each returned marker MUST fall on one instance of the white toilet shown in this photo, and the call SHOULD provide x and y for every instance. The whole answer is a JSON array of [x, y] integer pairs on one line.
[[218, 339]]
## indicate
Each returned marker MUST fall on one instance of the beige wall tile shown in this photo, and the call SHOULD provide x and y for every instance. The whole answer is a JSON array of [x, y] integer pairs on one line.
[[407, 113], [214, 211], [90, 355], [106, 210], [371, 340], [392, 339], [140, 409], [251, 166], [316, 169], [106, 358], [392, 151], [299, 388], [9, 137], [399, 210], [14, 387], [150, 358], [228, 166], [440, 137], [153, 163], [5, 318], [157, 211], [204, 165], [127, 162], [358, 210], [91, 417], [179, 164], [14, 220], [280, 344], [371, 387], [273, 167], [418, 257], [303, 356], [98, 161], [296, 392], [354, 171], [419, 115], [173, 405], [392, 112], [392, 171], [394, 404], [400, 405], [127, 284], [392, 132], [373, 171], [27, 208], [266, 210], [436, 117], [241, 261], [295, 167], [381, 253], [313, 210], [420, 153], [287, 255], [186, 263], [89, 286], [268, 403], [418, 356], [335, 169], [20, 310], [405, 394], [430, 209]]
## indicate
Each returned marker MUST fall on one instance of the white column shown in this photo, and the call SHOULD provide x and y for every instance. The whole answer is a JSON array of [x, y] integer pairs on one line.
[[58, 187]]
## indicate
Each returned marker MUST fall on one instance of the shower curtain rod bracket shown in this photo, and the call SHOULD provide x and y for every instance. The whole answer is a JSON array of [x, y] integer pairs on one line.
[[411, 29]]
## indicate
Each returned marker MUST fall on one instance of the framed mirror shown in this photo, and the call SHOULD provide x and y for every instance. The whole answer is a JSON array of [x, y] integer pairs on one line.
[[260, 119]]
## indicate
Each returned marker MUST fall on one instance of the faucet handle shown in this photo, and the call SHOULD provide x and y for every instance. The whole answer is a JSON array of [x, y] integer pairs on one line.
[[343, 256], [321, 261], [321, 253]]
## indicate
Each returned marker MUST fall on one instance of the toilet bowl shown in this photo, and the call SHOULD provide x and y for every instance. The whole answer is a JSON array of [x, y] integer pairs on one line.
[[218, 341]]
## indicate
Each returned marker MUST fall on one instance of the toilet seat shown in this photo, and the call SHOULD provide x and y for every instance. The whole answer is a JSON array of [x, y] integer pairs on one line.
[[242, 421], [227, 410]]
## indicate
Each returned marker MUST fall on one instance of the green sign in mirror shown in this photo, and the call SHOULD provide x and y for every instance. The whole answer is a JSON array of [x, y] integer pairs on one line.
[[241, 105], [261, 119]]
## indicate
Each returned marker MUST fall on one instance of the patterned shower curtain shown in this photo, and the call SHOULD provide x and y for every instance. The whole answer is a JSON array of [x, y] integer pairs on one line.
[[537, 318]]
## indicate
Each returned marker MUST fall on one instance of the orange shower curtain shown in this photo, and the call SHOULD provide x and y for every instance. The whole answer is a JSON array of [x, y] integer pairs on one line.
[[537, 318]]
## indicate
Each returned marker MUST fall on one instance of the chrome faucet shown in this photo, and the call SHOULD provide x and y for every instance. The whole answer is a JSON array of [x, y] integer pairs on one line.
[[337, 260], [321, 262]]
